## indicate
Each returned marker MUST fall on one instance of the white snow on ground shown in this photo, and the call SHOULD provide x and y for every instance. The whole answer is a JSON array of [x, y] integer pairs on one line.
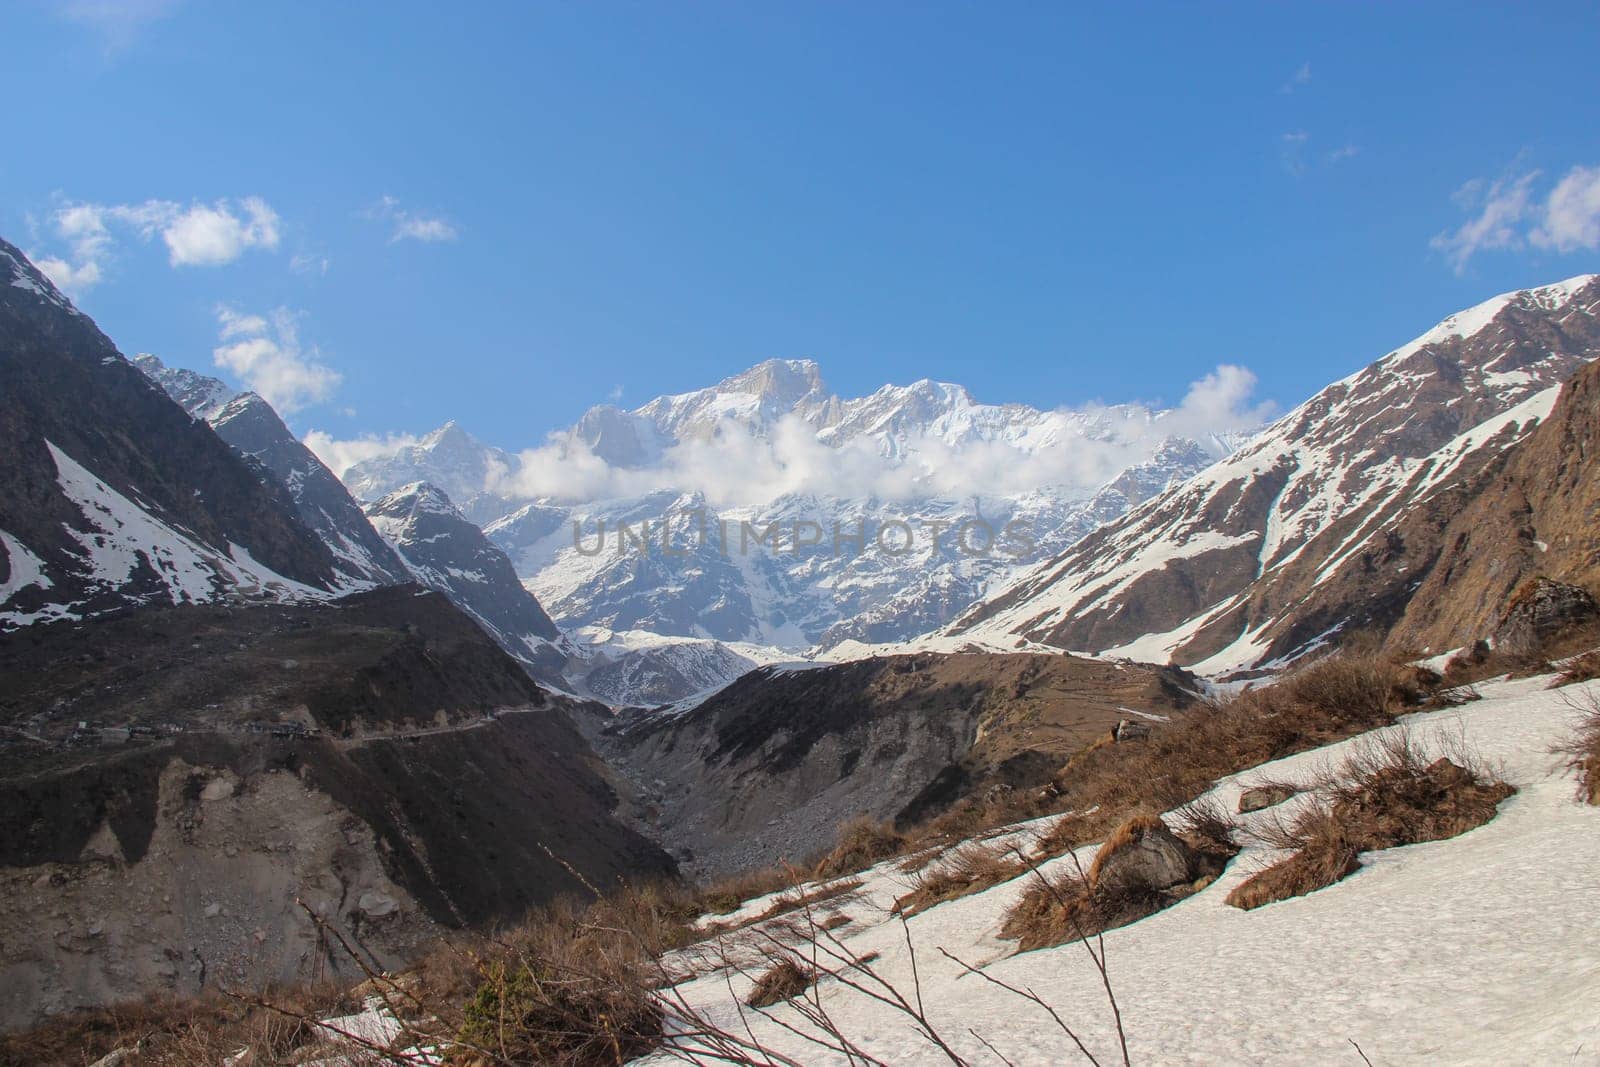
[[1484, 948]]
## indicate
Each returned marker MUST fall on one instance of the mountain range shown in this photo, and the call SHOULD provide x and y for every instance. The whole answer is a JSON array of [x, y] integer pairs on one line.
[[783, 516]]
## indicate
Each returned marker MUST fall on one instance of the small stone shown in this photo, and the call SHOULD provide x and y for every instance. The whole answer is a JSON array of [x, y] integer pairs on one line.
[[217, 789], [213, 910], [1264, 796], [376, 905]]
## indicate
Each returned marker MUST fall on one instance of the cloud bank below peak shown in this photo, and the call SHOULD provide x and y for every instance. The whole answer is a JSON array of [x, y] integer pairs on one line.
[[739, 464]]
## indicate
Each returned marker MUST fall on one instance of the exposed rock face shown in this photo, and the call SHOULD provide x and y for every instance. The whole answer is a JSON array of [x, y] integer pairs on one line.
[[376, 755], [1539, 611], [446, 552], [1299, 536], [1533, 515], [770, 766], [362, 559], [110, 494]]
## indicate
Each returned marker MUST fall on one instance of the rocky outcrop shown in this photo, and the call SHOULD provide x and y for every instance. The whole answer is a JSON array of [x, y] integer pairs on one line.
[[1145, 857]]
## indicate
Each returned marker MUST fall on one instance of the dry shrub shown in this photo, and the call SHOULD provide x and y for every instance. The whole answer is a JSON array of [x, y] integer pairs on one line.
[[786, 979], [1349, 688], [1207, 826], [968, 869], [1055, 911], [727, 894], [1329, 857], [920, 859], [1387, 794], [1326, 701], [1583, 748], [571, 986], [862, 842]]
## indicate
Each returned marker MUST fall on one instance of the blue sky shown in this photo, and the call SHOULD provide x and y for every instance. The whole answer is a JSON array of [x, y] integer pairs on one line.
[[394, 214]]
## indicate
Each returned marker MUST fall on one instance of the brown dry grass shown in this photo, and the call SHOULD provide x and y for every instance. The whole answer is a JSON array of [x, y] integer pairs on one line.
[[180, 1032], [1584, 668], [1386, 794], [862, 842], [1326, 701], [798, 897], [968, 869], [1583, 748], [727, 894], [786, 979]]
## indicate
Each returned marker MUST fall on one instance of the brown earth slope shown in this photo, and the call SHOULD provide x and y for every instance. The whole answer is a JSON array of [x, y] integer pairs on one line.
[[376, 756], [770, 766]]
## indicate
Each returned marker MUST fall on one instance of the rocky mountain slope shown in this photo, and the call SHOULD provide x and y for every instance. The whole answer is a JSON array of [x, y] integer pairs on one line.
[[1297, 537], [447, 553], [111, 495], [254, 429], [674, 474], [771, 765], [376, 756], [1535, 515]]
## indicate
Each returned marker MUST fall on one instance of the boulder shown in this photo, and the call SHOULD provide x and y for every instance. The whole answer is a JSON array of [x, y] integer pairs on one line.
[[1264, 796], [1142, 857]]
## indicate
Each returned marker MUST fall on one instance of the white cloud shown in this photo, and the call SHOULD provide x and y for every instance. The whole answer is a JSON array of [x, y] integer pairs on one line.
[[1299, 78], [410, 226], [1498, 208], [1339, 155], [736, 467], [207, 236], [265, 353], [1571, 218], [203, 235], [341, 455], [1507, 214]]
